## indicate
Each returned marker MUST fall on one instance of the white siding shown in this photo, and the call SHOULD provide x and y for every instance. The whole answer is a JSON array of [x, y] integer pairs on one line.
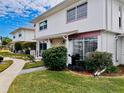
[[94, 21], [107, 43], [17, 38], [26, 36], [113, 16]]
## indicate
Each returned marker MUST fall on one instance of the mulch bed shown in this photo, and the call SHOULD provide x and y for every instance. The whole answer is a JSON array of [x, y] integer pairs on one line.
[[86, 73], [119, 73]]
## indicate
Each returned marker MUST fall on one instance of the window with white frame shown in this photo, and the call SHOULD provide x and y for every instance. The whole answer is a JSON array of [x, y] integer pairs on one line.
[[84, 46], [43, 25], [77, 12], [82, 11], [20, 35], [71, 15], [14, 37]]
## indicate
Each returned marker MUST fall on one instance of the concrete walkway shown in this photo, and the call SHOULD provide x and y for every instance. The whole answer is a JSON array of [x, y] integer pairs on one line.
[[33, 70], [7, 76]]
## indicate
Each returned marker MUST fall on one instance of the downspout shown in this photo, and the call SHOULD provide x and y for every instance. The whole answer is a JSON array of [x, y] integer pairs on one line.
[[116, 48], [106, 14], [111, 14]]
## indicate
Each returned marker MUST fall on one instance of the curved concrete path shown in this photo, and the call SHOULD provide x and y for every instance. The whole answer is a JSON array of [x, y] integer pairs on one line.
[[33, 70], [7, 76]]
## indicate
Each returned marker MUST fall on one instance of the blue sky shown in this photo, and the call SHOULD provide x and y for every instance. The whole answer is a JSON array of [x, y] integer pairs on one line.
[[18, 13]]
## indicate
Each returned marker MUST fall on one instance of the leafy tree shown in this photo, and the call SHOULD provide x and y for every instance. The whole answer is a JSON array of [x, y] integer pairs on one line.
[[18, 46], [6, 40]]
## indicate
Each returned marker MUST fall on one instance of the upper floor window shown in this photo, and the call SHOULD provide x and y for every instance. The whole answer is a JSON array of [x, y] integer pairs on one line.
[[77, 12], [20, 35], [14, 37], [71, 15], [43, 25], [120, 17], [82, 11]]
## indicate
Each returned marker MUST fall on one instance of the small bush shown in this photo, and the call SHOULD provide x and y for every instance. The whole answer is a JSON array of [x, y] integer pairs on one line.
[[1, 58], [31, 58], [98, 61], [18, 46], [112, 69], [55, 58]]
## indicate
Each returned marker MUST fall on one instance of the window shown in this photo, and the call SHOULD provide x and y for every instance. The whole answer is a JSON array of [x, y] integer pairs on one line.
[[34, 25], [20, 35], [90, 45], [14, 37], [43, 47], [71, 15], [43, 25], [84, 46], [82, 11], [77, 12], [120, 17]]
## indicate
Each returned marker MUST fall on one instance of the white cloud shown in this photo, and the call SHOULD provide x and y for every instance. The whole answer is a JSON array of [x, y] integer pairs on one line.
[[20, 6]]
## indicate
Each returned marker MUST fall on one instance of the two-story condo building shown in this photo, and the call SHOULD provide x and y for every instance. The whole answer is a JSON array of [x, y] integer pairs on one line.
[[23, 34], [83, 26]]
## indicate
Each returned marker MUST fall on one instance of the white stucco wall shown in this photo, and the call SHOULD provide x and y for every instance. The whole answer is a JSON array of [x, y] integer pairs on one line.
[[17, 38], [107, 43], [113, 15], [101, 15], [26, 36], [122, 51], [29, 35], [94, 21]]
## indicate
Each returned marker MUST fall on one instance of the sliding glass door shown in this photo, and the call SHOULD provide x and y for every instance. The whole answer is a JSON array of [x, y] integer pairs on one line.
[[84, 46], [78, 48], [43, 47]]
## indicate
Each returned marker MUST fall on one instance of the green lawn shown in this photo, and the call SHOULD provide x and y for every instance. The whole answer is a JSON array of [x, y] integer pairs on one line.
[[5, 65], [13, 55], [64, 82], [33, 64]]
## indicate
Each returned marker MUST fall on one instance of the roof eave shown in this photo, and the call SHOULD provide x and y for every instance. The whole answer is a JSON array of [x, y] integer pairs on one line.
[[55, 8], [22, 28]]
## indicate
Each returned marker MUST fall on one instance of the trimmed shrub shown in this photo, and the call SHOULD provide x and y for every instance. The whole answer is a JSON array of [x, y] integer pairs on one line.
[[112, 69], [55, 58], [1, 58], [98, 61], [18, 46], [31, 58]]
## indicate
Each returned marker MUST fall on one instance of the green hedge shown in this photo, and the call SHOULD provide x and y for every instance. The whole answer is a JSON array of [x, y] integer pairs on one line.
[[98, 60], [112, 69], [55, 58], [17, 56], [33, 64], [1, 58]]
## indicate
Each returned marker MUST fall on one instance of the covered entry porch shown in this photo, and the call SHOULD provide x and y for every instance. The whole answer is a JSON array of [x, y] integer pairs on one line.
[[77, 44], [54, 40]]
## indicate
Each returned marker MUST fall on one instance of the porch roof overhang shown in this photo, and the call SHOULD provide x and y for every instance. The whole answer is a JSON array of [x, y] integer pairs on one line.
[[21, 41], [121, 35], [58, 35]]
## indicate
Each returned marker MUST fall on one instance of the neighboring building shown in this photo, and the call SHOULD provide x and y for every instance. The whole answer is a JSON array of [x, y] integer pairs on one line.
[[83, 26], [23, 35]]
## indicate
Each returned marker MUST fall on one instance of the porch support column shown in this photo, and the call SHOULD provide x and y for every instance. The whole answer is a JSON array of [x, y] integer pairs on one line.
[[37, 48], [68, 51], [48, 44], [13, 48]]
